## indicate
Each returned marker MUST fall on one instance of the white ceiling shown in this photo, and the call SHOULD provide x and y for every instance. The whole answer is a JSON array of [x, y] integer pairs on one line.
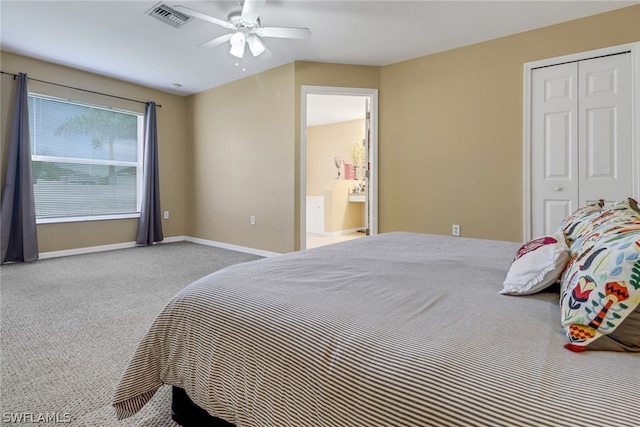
[[326, 109], [118, 39]]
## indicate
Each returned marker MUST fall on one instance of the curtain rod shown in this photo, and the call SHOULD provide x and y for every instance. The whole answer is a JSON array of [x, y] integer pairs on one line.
[[80, 89]]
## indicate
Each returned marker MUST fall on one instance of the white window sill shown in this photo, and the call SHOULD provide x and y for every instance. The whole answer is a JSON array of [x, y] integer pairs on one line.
[[87, 218]]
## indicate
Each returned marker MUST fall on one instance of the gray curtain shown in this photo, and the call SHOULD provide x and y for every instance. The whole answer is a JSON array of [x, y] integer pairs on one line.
[[150, 224], [18, 232]]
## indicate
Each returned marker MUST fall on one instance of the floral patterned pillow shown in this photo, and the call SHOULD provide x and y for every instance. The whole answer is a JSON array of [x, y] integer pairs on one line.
[[601, 285], [578, 223]]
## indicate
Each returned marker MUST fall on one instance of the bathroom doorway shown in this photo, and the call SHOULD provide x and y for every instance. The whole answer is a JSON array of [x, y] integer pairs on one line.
[[338, 164]]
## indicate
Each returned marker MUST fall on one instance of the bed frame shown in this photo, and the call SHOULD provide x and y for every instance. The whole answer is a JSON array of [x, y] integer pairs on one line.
[[188, 414]]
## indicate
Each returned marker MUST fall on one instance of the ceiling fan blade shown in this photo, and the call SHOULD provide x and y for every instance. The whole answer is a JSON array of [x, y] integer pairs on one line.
[[284, 32], [191, 12], [217, 41], [251, 10]]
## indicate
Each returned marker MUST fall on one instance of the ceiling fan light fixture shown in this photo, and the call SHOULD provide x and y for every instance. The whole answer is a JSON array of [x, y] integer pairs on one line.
[[255, 45], [246, 28], [238, 41]]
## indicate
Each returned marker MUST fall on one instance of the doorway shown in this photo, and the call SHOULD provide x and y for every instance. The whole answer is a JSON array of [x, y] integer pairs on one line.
[[338, 183]]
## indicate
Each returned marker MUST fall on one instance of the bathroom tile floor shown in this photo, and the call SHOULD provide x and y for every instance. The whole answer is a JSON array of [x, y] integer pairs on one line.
[[314, 240]]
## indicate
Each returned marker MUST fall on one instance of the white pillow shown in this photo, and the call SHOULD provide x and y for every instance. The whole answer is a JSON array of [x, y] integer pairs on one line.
[[537, 265]]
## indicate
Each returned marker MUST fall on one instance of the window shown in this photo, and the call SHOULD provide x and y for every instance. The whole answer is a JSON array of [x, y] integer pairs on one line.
[[86, 160]]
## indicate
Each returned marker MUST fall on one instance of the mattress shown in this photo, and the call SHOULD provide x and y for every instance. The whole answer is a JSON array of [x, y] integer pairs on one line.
[[397, 329]]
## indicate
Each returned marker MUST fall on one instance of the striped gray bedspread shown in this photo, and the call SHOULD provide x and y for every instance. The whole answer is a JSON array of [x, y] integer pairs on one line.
[[398, 329]]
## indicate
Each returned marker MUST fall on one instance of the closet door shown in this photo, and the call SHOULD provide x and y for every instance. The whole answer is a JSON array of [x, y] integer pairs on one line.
[[605, 167], [581, 148], [554, 146]]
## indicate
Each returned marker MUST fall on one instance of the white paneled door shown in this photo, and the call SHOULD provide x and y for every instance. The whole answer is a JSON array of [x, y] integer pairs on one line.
[[581, 137]]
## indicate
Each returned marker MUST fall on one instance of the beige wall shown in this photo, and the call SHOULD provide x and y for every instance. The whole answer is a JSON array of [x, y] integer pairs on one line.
[[171, 140], [245, 147], [324, 143], [450, 147], [242, 154], [339, 213]]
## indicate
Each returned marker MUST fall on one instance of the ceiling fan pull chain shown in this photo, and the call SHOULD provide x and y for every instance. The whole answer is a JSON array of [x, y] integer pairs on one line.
[[244, 68]]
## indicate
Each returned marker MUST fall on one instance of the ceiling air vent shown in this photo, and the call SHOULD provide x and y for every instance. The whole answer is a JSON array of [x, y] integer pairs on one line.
[[168, 15]]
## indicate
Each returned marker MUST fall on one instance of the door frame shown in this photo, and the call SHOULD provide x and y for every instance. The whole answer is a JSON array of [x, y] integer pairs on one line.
[[634, 50], [373, 152]]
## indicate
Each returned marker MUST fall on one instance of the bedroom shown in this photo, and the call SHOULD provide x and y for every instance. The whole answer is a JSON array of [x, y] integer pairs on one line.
[[465, 169], [451, 166]]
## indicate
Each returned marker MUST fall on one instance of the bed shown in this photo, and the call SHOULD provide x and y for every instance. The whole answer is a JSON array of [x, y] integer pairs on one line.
[[396, 329]]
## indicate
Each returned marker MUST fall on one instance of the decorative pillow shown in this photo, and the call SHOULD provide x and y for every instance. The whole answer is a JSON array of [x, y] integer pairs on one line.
[[600, 287], [537, 265], [625, 338], [575, 225]]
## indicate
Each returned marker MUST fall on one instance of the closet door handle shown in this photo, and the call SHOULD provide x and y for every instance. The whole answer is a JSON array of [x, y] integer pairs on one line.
[[557, 188]]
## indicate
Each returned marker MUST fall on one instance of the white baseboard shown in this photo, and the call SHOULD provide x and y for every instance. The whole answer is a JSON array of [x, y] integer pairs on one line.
[[126, 245], [87, 250], [340, 233], [101, 248], [231, 247]]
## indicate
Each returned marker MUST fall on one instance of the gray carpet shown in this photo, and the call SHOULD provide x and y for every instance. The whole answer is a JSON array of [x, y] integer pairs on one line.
[[69, 326]]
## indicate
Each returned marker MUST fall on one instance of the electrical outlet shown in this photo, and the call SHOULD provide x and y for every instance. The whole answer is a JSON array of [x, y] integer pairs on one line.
[[252, 220], [455, 230], [166, 214]]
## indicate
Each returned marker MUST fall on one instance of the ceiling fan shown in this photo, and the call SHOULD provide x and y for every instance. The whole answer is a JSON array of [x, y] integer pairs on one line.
[[246, 28]]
